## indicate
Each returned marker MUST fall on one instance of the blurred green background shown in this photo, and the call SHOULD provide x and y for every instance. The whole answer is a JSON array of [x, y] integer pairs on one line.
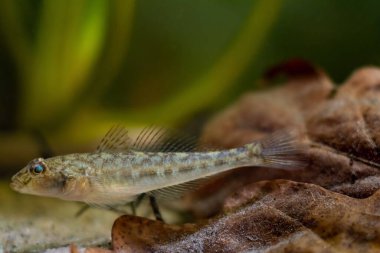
[[69, 69]]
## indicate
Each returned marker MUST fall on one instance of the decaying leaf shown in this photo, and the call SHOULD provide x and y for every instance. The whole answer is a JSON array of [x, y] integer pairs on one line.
[[136, 234], [268, 216], [330, 206], [340, 127]]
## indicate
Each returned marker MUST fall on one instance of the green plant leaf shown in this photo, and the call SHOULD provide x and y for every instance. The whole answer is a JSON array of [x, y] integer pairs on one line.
[[69, 40], [206, 89]]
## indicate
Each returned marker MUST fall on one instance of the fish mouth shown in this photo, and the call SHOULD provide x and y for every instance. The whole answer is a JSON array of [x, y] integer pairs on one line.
[[16, 185]]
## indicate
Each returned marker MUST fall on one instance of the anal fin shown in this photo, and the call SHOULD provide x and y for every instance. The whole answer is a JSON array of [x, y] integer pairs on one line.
[[177, 191]]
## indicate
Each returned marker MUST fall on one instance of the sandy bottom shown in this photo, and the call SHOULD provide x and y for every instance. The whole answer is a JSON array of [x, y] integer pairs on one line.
[[36, 224]]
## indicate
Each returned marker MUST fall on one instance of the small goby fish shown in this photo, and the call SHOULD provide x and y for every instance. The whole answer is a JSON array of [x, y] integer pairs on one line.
[[119, 171]]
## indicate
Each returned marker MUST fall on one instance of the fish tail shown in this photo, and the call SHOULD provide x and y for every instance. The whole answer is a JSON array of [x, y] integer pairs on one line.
[[283, 150]]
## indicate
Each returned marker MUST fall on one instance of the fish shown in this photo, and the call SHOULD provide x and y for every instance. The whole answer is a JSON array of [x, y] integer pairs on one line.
[[121, 170]]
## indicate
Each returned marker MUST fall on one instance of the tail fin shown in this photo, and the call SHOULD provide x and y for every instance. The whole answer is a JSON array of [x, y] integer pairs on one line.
[[282, 150]]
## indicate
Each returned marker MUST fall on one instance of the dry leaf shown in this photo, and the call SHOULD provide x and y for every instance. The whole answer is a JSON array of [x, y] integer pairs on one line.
[[340, 126], [136, 234], [331, 206], [268, 216]]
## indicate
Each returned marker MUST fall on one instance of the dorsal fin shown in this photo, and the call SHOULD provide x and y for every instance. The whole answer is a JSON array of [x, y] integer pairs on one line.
[[116, 139], [158, 139], [150, 139]]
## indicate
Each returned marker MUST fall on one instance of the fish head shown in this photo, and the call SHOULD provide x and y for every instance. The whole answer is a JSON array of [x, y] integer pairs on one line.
[[40, 177]]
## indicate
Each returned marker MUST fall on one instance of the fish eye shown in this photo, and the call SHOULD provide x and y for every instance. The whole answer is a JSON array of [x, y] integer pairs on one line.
[[38, 168]]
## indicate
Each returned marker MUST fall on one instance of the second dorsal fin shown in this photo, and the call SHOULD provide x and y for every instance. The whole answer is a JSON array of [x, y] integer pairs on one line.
[[116, 139], [158, 139], [150, 139]]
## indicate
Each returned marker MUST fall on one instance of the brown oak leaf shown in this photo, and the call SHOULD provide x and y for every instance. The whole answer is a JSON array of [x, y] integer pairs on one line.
[[330, 206], [340, 127], [268, 216]]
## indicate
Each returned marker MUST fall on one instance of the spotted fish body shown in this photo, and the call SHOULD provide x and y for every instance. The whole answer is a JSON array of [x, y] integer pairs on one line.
[[117, 173]]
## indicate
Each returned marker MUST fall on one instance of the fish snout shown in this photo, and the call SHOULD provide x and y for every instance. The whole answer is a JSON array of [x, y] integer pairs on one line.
[[14, 177], [16, 184]]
